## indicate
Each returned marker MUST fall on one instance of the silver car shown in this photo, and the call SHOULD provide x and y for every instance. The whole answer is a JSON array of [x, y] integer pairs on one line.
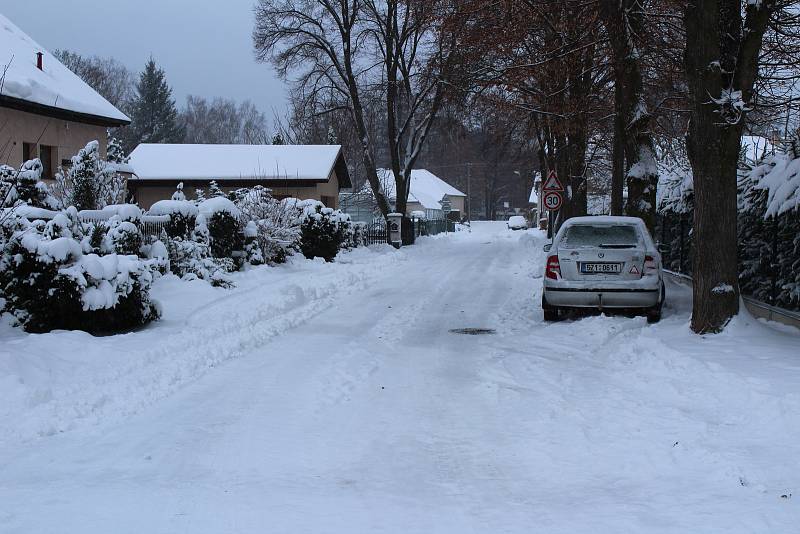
[[603, 263]]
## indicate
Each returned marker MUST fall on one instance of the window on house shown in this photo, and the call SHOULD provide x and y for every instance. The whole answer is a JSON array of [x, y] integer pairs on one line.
[[28, 151], [46, 154]]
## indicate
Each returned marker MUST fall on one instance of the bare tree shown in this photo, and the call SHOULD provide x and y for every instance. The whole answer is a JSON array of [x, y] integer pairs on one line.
[[222, 121], [633, 142], [107, 76], [403, 50]]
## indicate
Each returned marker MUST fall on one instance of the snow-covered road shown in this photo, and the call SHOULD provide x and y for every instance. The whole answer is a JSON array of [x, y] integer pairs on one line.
[[345, 404]]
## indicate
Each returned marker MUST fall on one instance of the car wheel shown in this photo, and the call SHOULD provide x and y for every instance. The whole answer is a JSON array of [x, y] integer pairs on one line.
[[654, 314], [550, 312]]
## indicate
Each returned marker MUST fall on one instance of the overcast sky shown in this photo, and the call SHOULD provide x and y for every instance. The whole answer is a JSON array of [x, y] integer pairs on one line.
[[203, 45]]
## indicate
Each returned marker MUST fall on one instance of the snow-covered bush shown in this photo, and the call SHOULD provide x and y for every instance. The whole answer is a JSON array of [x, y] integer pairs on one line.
[[355, 235], [277, 222], [769, 228], [182, 216], [768, 223], [123, 237], [49, 282], [192, 259], [323, 230], [221, 217], [90, 182], [24, 186], [253, 255]]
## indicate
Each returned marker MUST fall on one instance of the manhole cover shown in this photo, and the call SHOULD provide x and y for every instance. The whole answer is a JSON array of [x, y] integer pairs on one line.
[[473, 331]]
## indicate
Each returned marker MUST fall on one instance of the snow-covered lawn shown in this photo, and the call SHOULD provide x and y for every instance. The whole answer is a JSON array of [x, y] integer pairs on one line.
[[334, 398]]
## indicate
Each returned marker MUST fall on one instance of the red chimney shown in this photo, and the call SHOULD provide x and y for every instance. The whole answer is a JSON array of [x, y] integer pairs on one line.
[[39, 57]]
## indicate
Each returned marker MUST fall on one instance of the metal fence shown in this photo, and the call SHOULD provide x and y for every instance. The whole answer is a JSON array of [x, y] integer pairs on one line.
[[762, 277], [151, 226], [674, 234], [375, 233], [434, 226]]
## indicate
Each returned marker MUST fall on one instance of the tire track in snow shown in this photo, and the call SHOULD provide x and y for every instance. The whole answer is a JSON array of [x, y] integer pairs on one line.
[[223, 331]]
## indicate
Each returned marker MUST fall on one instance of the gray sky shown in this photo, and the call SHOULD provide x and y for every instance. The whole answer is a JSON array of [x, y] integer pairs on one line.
[[203, 45]]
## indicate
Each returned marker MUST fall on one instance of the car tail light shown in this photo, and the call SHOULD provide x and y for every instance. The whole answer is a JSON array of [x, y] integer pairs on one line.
[[650, 266], [553, 270]]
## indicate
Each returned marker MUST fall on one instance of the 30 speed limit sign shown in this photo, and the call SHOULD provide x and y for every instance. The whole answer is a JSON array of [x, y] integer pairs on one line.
[[552, 200]]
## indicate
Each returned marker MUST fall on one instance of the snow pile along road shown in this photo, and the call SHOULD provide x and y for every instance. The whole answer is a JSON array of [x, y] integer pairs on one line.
[[322, 398]]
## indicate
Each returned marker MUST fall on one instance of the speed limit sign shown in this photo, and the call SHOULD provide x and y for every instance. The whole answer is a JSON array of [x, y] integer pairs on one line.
[[552, 200]]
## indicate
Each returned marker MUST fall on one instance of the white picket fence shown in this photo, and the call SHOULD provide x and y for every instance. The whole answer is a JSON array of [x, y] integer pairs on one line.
[[151, 226]]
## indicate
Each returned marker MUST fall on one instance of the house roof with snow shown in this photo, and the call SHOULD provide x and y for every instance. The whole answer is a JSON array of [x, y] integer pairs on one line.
[[426, 188], [239, 163], [53, 90]]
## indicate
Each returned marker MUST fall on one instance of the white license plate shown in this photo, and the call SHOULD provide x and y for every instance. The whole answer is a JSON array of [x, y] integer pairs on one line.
[[601, 268]]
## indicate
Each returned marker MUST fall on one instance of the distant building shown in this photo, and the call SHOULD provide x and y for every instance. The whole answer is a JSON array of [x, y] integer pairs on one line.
[[46, 111], [426, 191], [315, 172]]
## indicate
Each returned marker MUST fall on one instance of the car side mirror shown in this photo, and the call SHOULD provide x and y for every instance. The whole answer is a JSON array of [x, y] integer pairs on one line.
[[547, 247]]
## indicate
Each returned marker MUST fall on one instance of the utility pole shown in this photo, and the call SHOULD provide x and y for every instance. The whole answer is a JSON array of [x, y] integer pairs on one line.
[[469, 196]]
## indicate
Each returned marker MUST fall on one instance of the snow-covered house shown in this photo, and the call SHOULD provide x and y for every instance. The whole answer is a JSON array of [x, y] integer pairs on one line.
[[315, 172], [426, 192], [46, 111]]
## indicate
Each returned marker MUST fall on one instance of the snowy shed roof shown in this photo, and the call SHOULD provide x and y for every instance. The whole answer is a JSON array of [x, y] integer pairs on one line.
[[52, 91], [426, 188], [534, 196], [302, 163]]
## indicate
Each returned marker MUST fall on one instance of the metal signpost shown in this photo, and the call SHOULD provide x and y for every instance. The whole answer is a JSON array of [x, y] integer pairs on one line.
[[552, 199]]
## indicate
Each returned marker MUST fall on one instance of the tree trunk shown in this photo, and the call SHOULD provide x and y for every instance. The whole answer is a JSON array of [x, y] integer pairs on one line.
[[618, 155], [720, 60], [624, 21]]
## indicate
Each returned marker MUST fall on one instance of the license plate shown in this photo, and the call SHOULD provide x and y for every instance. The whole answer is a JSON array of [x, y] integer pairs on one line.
[[601, 268]]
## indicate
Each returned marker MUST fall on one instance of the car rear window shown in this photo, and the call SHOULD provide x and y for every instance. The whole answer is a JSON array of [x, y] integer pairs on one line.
[[603, 236]]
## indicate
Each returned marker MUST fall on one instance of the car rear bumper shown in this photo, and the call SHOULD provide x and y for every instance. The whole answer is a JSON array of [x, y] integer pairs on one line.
[[602, 297]]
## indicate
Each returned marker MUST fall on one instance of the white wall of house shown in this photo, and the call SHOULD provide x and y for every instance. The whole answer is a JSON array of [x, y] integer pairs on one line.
[[25, 135]]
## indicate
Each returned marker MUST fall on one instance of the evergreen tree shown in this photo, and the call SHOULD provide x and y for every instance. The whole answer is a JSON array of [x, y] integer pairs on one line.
[[277, 139], [154, 117], [332, 139], [214, 190], [115, 152], [89, 179]]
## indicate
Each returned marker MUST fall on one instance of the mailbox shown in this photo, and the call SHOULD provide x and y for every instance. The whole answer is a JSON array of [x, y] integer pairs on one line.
[[395, 229]]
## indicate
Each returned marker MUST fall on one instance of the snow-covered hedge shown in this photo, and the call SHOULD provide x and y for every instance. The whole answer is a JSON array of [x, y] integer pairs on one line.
[[768, 222], [324, 231], [50, 279], [274, 225], [182, 216], [769, 229], [221, 217]]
